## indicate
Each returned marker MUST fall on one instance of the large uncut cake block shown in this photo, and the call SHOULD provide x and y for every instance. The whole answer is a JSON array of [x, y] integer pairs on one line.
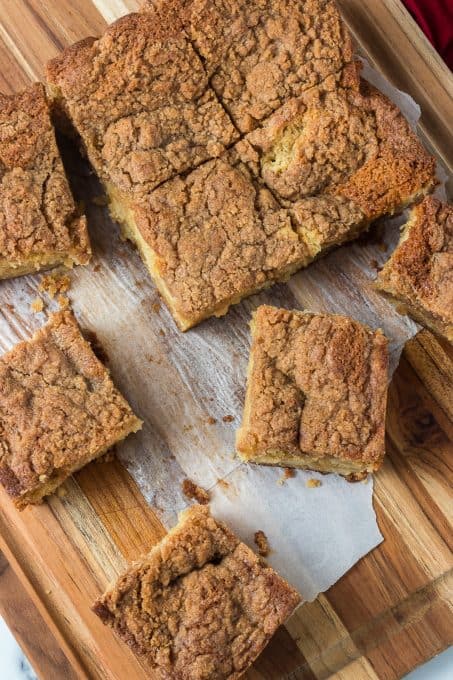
[[40, 226], [260, 53], [315, 174], [58, 410], [316, 393], [139, 99], [200, 605], [419, 274]]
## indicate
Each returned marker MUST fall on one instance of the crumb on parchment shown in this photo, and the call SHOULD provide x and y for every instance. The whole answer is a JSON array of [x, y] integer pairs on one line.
[[63, 301], [228, 419], [195, 492], [54, 283], [288, 473], [261, 543], [313, 483], [37, 305]]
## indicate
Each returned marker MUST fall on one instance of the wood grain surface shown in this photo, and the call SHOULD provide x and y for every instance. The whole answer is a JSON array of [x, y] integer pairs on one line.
[[391, 611]]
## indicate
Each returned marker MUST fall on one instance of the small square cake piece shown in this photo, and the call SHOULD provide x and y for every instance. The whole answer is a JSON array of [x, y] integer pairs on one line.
[[419, 274], [200, 605], [140, 100], [210, 238], [58, 410], [39, 224], [316, 393], [260, 53], [344, 148]]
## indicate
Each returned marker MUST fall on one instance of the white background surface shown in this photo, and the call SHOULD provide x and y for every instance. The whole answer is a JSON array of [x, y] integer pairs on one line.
[[14, 665]]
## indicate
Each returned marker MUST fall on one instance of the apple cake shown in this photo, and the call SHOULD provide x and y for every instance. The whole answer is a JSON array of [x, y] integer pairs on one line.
[[200, 605], [59, 410], [316, 393], [40, 226], [418, 277]]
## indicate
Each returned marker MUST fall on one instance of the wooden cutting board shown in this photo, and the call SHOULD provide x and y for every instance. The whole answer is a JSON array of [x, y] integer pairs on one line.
[[389, 613]]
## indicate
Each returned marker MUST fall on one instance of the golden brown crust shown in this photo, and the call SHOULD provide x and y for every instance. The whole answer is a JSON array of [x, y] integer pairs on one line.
[[201, 605], [317, 387], [38, 217], [58, 410], [420, 271], [217, 236], [260, 53], [140, 101], [347, 141]]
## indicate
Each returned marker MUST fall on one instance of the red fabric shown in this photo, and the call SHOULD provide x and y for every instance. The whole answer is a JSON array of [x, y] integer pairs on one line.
[[435, 18]]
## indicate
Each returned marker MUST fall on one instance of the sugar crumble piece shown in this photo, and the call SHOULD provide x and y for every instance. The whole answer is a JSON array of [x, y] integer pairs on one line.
[[54, 283], [195, 492], [313, 483], [37, 305], [63, 301], [262, 543]]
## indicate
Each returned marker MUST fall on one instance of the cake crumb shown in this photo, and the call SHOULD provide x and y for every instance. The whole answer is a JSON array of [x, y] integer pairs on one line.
[[261, 543], [9, 307], [211, 420], [37, 305], [161, 332], [288, 473], [61, 492], [313, 483], [96, 267], [228, 419], [156, 307], [54, 283], [223, 484], [195, 492], [63, 301]]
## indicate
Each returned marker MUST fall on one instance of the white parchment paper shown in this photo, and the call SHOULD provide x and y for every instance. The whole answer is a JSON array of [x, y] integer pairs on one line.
[[180, 384]]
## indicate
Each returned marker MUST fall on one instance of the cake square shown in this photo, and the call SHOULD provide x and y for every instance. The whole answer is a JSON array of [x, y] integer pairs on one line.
[[258, 53], [316, 393], [40, 226], [212, 237], [59, 410], [200, 605], [343, 148], [419, 274], [140, 101]]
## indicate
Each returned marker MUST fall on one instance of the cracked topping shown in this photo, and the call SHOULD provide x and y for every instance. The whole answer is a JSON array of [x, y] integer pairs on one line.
[[420, 270], [217, 236], [348, 141], [37, 212], [317, 385], [58, 407], [258, 53], [139, 98], [201, 605]]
